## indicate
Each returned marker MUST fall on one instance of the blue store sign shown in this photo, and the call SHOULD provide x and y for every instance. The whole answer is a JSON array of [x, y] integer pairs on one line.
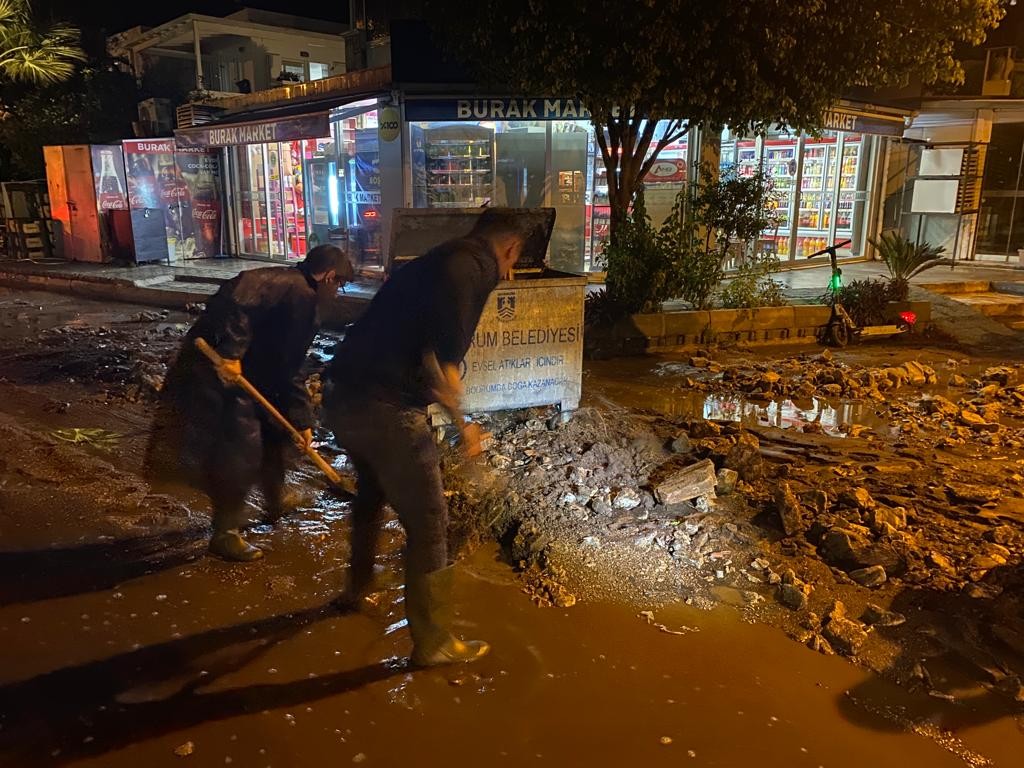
[[417, 110]]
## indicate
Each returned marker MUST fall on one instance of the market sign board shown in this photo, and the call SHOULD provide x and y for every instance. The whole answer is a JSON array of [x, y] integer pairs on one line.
[[314, 126], [856, 122], [420, 110]]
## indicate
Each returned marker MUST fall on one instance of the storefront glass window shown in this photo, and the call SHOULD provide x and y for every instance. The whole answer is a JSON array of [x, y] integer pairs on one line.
[[820, 182], [357, 171], [518, 163], [294, 195], [1001, 218], [271, 215]]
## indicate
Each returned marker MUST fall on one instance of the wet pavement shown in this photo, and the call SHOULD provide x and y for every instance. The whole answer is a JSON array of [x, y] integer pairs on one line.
[[124, 650], [248, 666]]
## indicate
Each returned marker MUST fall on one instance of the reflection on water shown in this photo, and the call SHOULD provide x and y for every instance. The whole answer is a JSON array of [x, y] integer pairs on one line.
[[653, 393], [781, 413]]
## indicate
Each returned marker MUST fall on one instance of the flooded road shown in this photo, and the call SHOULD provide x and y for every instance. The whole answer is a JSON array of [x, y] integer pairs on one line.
[[122, 652], [249, 666]]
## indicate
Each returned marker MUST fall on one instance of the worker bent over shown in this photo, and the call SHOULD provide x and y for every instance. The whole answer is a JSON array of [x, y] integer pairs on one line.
[[212, 435], [401, 356]]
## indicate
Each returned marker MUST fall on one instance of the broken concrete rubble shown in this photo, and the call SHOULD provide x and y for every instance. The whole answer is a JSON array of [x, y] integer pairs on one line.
[[871, 576], [689, 483], [845, 635], [789, 509], [745, 458]]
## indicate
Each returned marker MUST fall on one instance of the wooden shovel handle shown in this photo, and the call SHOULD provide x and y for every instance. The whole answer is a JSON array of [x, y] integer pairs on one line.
[[203, 346]]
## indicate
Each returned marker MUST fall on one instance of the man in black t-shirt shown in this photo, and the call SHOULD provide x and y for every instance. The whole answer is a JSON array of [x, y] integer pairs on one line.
[[401, 356]]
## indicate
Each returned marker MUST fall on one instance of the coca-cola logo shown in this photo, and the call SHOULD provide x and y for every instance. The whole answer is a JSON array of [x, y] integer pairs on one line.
[[172, 192], [205, 214]]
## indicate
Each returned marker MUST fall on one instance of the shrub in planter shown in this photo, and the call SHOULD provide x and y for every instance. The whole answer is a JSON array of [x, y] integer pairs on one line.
[[866, 301], [601, 310], [642, 273], [683, 259], [752, 285], [904, 259]]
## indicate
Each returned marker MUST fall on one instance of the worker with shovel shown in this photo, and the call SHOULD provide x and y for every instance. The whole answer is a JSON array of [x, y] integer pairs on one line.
[[211, 433], [400, 357]]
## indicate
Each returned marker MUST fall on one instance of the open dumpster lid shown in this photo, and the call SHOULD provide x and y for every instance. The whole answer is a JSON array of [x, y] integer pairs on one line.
[[414, 231]]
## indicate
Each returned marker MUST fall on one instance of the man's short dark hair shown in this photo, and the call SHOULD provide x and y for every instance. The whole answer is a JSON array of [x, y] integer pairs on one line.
[[499, 222], [326, 257]]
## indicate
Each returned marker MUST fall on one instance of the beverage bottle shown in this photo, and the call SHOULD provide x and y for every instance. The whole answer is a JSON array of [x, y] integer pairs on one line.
[[141, 183], [206, 216], [111, 193]]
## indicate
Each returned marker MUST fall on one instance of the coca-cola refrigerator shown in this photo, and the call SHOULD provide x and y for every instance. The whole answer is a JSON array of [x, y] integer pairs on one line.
[[174, 197], [89, 202]]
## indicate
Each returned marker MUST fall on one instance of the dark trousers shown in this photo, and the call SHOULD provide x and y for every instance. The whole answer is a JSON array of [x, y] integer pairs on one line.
[[216, 439], [229, 481], [393, 452]]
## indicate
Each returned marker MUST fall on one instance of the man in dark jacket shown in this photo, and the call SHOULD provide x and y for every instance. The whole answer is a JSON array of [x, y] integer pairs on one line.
[[212, 435], [401, 356]]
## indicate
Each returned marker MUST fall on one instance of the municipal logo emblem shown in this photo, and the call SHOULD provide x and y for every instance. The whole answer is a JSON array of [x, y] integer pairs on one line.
[[506, 306]]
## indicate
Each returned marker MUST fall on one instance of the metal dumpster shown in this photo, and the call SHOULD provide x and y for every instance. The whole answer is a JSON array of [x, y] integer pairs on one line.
[[528, 347]]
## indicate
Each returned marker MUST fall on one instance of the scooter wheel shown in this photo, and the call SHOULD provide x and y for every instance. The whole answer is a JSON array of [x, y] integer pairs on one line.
[[838, 334]]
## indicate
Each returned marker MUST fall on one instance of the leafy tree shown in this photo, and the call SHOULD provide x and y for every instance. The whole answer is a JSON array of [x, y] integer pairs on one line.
[[703, 62], [97, 105], [33, 54]]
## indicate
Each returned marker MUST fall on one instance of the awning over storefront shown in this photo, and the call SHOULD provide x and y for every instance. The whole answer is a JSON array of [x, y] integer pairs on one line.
[[308, 126], [856, 119]]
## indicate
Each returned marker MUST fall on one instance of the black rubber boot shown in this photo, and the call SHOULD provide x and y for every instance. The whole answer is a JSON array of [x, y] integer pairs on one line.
[[428, 608], [231, 546], [284, 503]]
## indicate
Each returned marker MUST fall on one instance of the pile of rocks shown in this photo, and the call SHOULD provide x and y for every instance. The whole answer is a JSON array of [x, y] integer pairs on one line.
[[802, 376]]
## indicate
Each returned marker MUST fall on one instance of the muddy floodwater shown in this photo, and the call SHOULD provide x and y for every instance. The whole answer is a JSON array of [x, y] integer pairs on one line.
[[245, 666], [123, 645]]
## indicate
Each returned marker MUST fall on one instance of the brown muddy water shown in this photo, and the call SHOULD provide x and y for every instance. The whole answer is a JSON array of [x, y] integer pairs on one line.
[[642, 383], [245, 665], [250, 666]]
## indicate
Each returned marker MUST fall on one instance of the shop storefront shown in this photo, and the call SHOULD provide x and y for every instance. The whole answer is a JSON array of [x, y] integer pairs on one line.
[[828, 185], [527, 153], [335, 176], [316, 180]]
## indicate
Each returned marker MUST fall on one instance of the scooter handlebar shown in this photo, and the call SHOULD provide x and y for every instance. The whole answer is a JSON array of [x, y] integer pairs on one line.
[[830, 249]]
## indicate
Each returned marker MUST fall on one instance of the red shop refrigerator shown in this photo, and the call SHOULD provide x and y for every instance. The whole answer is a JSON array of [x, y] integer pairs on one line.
[[89, 201]]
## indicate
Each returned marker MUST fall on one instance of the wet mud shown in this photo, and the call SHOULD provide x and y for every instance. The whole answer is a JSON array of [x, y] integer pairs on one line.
[[125, 645]]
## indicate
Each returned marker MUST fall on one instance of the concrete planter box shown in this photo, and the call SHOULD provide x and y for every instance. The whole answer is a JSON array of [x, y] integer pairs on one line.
[[668, 331]]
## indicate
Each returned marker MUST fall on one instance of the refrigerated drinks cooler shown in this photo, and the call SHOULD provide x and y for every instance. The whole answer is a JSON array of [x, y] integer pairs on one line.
[[828, 187], [820, 195], [88, 199], [452, 166]]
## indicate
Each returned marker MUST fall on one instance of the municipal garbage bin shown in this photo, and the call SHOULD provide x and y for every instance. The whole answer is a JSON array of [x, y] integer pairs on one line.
[[528, 347]]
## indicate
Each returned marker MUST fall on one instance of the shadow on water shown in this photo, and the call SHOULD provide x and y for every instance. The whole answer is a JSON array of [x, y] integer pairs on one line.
[[47, 573], [100, 706]]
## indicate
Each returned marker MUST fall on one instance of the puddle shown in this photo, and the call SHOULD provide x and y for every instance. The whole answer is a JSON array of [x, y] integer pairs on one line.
[[252, 676], [832, 418]]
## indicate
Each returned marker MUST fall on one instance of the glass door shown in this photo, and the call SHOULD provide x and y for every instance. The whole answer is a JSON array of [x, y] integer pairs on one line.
[[275, 200], [252, 200]]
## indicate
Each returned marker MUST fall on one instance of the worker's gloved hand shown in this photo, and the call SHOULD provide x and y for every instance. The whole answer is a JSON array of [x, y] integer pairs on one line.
[[474, 440], [229, 371], [305, 440]]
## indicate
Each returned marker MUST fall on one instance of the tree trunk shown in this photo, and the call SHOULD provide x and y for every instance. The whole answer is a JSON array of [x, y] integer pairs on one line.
[[628, 150]]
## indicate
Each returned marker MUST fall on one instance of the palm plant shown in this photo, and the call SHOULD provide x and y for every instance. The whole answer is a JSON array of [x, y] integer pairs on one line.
[[904, 259], [33, 54]]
